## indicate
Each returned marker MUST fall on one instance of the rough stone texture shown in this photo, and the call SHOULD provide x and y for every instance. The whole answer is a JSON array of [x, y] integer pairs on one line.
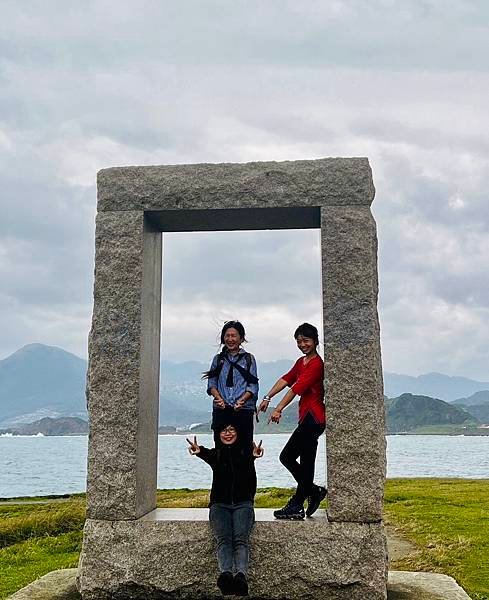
[[402, 585], [353, 372], [323, 182], [176, 559], [57, 585], [405, 585], [121, 554], [122, 387]]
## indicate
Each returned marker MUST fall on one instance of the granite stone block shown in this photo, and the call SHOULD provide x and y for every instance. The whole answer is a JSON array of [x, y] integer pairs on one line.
[[123, 372], [355, 435], [176, 559], [322, 182]]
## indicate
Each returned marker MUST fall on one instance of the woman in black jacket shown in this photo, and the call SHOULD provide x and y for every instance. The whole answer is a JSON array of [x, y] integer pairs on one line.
[[231, 513]]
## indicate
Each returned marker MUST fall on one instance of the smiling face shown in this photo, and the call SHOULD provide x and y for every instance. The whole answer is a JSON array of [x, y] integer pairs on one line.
[[306, 345], [232, 339], [228, 435]]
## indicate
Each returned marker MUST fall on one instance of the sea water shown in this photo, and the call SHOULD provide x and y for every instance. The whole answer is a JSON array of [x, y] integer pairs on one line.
[[37, 465]]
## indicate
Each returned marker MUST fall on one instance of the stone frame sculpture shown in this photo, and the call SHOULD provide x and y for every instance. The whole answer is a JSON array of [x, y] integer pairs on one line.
[[128, 546]]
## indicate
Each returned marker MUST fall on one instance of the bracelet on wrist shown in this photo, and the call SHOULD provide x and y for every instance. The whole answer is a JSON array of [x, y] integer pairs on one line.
[[267, 398]]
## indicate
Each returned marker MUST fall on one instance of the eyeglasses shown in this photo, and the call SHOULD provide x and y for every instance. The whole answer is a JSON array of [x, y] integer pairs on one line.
[[229, 429]]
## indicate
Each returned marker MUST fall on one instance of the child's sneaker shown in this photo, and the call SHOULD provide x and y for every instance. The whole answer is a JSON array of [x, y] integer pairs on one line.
[[318, 494], [292, 510], [240, 584], [225, 583]]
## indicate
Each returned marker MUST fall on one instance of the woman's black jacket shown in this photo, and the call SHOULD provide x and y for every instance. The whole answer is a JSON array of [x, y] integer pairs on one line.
[[233, 473]]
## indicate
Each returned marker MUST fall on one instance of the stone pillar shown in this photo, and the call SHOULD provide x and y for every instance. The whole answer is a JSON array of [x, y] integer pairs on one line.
[[353, 372], [122, 388]]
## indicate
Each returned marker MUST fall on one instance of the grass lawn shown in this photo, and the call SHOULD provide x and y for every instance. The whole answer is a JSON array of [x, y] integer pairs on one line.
[[447, 518]]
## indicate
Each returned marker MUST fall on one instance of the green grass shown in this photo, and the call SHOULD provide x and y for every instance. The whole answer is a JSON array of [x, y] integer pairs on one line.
[[184, 498], [38, 538], [26, 561], [448, 519]]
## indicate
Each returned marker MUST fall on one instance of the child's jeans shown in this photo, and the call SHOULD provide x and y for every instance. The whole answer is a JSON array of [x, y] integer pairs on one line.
[[231, 525]]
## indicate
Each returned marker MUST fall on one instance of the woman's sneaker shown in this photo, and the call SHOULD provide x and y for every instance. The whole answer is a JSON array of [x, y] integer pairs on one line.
[[318, 494], [225, 582], [292, 510], [240, 584]]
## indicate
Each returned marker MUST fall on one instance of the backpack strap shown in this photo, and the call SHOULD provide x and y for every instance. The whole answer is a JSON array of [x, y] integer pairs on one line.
[[245, 373], [221, 357]]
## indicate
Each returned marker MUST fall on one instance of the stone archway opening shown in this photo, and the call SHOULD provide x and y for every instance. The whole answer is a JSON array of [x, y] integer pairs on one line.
[[270, 280]]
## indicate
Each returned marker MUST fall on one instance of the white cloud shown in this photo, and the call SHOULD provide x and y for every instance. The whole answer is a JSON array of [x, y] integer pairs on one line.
[[85, 87]]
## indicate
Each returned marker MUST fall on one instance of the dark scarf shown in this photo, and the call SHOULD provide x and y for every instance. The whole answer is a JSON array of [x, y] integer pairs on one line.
[[233, 364]]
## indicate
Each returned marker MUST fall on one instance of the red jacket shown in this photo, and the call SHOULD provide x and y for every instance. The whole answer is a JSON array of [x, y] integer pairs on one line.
[[306, 380]]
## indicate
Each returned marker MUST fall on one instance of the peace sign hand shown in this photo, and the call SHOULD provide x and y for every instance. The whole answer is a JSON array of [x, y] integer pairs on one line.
[[258, 450], [194, 446]]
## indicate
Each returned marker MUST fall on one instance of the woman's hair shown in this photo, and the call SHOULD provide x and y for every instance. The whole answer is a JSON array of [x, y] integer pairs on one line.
[[235, 325], [227, 325], [307, 330], [221, 426]]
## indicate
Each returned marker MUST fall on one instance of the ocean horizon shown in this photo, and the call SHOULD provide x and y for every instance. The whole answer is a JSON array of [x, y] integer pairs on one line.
[[49, 465]]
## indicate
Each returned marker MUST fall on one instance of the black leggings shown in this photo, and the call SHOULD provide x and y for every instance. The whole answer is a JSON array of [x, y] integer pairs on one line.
[[302, 444]]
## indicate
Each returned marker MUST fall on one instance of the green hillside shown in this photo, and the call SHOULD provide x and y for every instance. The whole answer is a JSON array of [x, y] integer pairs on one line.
[[409, 412], [477, 405]]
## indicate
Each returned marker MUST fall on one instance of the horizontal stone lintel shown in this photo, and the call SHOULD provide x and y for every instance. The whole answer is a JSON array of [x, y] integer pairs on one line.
[[302, 183]]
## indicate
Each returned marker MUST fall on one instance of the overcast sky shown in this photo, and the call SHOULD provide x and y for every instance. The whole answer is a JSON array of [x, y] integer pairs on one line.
[[88, 85]]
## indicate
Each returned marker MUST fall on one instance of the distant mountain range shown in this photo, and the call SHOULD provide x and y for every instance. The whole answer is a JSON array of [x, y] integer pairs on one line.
[[407, 414], [435, 385], [41, 381], [50, 426]]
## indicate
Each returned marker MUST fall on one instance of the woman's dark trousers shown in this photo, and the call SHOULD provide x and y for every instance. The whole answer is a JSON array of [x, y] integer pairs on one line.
[[302, 444], [231, 525]]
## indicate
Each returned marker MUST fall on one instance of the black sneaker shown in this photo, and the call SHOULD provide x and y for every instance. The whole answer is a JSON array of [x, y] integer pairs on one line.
[[240, 584], [318, 494], [292, 511], [225, 583]]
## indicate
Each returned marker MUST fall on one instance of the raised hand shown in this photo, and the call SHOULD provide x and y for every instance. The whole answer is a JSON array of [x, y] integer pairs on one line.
[[275, 417], [258, 450], [239, 404], [219, 402], [194, 446]]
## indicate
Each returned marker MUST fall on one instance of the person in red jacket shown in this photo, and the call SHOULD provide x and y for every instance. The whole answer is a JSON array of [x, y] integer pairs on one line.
[[305, 379]]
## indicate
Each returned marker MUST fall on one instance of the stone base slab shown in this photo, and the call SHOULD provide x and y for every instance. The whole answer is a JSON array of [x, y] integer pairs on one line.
[[407, 585], [170, 554], [57, 585], [402, 585]]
